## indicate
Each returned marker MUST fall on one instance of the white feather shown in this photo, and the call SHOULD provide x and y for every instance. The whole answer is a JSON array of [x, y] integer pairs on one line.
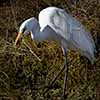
[[72, 32], [55, 24]]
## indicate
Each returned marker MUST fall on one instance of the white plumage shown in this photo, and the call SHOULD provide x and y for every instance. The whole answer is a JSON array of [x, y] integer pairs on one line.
[[73, 33], [55, 24]]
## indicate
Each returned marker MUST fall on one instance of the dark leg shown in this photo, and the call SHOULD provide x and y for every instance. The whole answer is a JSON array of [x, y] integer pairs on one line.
[[65, 77], [50, 85]]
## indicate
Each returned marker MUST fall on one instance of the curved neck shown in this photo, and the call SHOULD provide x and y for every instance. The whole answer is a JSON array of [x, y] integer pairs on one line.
[[47, 33]]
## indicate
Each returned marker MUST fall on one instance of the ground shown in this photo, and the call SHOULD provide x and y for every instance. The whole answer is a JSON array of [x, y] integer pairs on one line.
[[24, 77]]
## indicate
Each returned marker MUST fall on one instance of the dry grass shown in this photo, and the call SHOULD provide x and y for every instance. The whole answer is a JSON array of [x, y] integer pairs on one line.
[[22, 76]]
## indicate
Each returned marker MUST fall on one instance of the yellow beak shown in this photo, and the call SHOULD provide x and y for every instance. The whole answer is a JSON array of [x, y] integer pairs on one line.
[[17, 38]]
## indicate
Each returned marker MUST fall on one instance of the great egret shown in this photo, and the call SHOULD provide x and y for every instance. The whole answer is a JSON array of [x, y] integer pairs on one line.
[[56, 24]]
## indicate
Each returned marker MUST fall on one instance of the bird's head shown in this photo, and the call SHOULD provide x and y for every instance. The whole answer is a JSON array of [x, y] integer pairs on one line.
[[28, 26]]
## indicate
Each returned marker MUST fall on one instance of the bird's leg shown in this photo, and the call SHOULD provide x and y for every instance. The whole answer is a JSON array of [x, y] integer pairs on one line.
[[66, 74], [55, 78], [50, 85]]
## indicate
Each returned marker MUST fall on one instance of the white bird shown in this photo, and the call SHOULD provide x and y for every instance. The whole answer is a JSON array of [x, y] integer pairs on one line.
[[56, 24]]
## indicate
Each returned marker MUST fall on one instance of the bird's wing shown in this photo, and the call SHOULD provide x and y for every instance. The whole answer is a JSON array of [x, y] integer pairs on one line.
[[72, 30], [59, 24], [79, 31], [67, 26], [82, 39], [80, 35]]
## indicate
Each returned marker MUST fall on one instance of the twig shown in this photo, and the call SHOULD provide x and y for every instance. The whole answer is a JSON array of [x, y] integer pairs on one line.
[[4, 83], [31, 50], [13, 13], [4, 74]]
